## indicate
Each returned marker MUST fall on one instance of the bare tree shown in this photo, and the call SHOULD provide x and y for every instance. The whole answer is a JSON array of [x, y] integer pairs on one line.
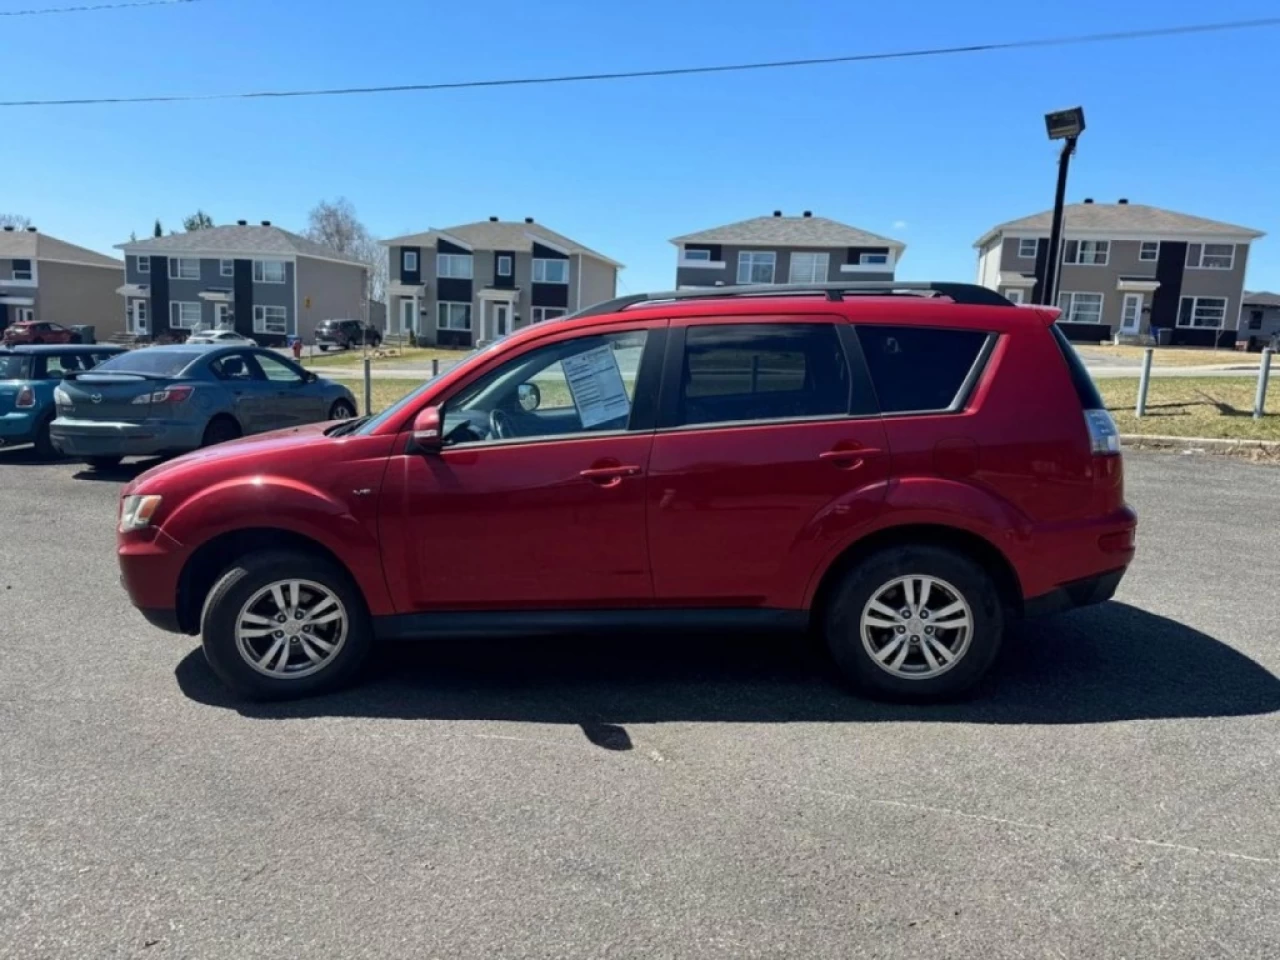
[[197, 221], [335, 224], [15, 220]]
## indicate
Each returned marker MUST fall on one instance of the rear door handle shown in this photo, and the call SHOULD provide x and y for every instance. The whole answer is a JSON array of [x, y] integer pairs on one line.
[[848, 459], [609, 476]]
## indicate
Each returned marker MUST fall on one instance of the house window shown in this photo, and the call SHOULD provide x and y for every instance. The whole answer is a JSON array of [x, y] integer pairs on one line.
[[271, 319], [756, 266], [1204, 312], [143, 264], [504, 266], [867, 259], [1149, 252], [1087, 253], [454, 316], [226, 268], [22, 270], [269, 271], [184, 316], [550, 271], [183, 268], [409, 261], [1013, 296], [547, 313], [1027, 247], [1080, 307], [1211, 256], [456, 266], [697, 254], [1255, 319], [24, 314], [810, 267]]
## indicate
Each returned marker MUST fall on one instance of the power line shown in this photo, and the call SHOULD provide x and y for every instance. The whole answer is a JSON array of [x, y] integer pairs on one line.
[[90, 8], [671, 71]]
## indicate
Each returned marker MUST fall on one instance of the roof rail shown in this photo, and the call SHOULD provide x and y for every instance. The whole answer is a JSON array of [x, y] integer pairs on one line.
[[968, 293]]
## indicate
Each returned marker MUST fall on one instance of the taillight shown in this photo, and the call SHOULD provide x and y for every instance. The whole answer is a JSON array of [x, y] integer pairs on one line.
[[167, 395], [1104, 438], [26, 398]]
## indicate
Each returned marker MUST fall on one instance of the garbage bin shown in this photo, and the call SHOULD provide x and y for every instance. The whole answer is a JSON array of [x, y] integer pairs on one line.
[[1164, 338], [86, 332]]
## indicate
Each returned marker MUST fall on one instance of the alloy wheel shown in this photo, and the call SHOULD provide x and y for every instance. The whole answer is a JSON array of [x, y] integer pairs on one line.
[[916, 627], [291, 629]]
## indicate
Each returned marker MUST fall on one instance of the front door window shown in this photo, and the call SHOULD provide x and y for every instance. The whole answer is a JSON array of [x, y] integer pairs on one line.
[[500, 319], [407, 313], [223, 318], [140, 316], [1131, 315]]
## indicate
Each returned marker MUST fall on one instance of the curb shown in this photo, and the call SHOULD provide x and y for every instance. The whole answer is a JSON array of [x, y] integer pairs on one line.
[[1210, 443]]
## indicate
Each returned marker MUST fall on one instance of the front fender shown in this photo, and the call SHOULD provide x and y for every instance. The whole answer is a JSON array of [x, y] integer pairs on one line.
[[266, 501]]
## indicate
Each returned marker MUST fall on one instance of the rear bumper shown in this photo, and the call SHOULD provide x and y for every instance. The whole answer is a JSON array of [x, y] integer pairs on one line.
[[17, 427], [1080, 593], [92, 438]]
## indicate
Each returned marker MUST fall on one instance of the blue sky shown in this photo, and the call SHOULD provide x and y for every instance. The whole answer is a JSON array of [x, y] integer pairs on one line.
[[930, 151]]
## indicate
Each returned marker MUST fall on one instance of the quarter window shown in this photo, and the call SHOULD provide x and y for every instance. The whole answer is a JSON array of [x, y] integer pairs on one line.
[[268, 319], [809, 267], [919, 370], [184, 316], [184, 268], [737, 373], [269, 271], [1080, 307], [550, 271], [456, 266], [454, 316], [1149, 252], [1203, 312], [1027, 247], [756, 266]]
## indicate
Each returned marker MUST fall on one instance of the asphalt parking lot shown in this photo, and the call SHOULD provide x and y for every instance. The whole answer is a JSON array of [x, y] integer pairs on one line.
[[1110, 793]]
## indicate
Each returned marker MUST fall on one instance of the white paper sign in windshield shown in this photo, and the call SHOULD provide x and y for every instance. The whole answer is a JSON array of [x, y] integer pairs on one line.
[[597, 387]]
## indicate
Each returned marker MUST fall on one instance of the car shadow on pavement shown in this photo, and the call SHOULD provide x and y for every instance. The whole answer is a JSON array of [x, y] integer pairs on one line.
[[122, 473], [1103, 664]]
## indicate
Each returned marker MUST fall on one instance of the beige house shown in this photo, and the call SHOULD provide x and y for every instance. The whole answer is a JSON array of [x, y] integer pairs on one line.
[[1126, 269], [43, 278], [470, 284]]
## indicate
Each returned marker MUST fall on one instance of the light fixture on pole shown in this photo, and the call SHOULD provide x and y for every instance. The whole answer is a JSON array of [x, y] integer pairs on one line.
[[1064, 125]]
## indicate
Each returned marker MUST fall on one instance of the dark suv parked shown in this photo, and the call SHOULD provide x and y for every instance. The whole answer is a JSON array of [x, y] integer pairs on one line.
[[342, 334], [901, 467]]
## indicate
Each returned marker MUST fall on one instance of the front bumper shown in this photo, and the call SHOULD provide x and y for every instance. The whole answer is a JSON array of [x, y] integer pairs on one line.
[[17, 427], [93, 438], [151, 564]]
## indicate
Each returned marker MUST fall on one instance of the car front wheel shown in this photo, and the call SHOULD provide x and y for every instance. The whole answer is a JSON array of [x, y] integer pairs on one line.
[[341, 410], [915, 623], [284, 624]]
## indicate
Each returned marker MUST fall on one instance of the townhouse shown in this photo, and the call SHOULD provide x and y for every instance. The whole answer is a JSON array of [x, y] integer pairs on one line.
[[47, 279]]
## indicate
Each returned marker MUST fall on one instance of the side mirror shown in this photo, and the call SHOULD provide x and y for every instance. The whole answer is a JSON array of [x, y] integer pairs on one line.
[[427, 435], [529, 397]]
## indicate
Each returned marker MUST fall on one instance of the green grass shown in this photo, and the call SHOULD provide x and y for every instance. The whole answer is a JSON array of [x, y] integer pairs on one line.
[[384, 356], [1171, 356], [1219, 407]]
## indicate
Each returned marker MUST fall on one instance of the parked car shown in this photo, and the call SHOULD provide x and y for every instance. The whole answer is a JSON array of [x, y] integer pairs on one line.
[[221, 337], [342, 334], [28, 377], [902, 472], [38, 332], [172, 399]]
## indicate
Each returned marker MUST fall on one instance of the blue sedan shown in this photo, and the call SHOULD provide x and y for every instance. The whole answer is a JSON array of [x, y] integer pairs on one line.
[[173, 399], [28, 377]]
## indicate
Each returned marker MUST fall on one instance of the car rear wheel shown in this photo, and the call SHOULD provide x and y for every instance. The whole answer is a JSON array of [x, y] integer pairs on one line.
[[220, 430], [341, 410], [282, 624], [915, 623], [103, 463]]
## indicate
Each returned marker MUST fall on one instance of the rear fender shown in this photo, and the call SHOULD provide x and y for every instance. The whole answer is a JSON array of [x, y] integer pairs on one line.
[[283, 503]]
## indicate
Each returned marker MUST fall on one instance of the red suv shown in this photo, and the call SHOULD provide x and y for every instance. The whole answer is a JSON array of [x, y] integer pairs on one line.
[[902, 467], [36, 332]]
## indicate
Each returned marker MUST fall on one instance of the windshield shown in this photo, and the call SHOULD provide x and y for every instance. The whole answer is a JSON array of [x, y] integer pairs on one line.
[[14, 367], [162, 363]]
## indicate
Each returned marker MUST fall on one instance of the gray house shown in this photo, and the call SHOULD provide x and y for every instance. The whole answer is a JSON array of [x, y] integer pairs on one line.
[[265, 282], [43, 278], [1127, 269], [473, 283], [778, 249], [1260, 316]]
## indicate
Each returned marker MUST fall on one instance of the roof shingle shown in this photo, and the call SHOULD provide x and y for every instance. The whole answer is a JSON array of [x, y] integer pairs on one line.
[[25, 245], [1261, 298], [1122, 218], [790, 232], [499, 235], [250, 240]]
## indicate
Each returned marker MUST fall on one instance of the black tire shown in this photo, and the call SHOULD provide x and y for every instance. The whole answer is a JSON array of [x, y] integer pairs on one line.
[[341, 410], [44, 448], [239, 584], [103, 463], [376, 342], [843, 624], [323, 348], [220, 430]]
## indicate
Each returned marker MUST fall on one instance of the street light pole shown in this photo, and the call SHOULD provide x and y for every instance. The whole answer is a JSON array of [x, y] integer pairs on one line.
[[1049, 290]]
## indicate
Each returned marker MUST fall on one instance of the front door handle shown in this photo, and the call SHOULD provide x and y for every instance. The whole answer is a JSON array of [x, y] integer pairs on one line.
[[609, 476], [850, 458]]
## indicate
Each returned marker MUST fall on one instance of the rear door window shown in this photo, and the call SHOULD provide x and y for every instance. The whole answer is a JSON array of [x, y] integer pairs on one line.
[[761, 371], [919, 369]]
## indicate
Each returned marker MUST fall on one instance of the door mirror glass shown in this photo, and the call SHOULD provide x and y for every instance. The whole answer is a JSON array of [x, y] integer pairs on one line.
[[426, 430], [529, 396]]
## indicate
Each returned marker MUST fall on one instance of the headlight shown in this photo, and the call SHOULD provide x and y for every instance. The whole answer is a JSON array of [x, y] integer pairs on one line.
[[136, 512], [61, 396]]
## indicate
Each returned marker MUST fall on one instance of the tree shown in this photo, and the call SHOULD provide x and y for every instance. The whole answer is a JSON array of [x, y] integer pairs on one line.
[[197, 221], [159, 231], [336, 225], [15, 220]]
